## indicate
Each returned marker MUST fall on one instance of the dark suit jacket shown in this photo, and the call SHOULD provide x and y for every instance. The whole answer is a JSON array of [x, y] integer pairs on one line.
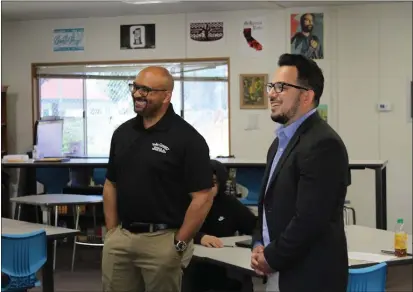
[[304, 210]]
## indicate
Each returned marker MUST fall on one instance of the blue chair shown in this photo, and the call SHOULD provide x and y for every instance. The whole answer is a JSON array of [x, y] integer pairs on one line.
[[251, 178], [250, 200], [22, 255], [99, 176], [53, 179], [369, 279]]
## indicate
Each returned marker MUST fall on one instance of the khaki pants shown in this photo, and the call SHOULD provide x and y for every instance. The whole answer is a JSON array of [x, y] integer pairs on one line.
[[144, 262]]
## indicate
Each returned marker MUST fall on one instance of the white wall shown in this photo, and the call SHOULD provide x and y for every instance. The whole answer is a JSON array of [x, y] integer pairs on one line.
[[367, 58]]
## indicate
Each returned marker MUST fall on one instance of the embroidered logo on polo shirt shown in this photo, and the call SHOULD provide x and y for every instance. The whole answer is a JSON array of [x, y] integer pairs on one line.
[[221, 218], [159, 147]]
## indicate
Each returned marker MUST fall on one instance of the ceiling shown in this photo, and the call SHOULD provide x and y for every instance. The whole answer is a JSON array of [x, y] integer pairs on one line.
[[17, 10]]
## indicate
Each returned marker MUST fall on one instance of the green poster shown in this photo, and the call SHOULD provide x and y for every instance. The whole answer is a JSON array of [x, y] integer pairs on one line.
[[322, 111]]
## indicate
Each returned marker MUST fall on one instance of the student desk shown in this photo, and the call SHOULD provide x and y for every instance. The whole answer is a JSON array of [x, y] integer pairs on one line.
[[10, 226], [50, 202], [359, 239], [378, 166]]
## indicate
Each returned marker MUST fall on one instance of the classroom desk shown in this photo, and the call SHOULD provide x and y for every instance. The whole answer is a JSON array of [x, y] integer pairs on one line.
[[379, 167], [9, 226], [52, 201], [359, 239]]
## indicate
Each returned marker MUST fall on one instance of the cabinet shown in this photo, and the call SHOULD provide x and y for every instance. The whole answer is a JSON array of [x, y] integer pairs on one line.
[[3, 120]]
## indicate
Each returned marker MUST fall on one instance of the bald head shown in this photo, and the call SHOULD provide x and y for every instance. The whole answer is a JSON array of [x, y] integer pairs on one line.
[[159, 76]]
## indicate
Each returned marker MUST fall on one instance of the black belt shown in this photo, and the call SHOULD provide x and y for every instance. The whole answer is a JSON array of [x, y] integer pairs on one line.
[[139, 227]]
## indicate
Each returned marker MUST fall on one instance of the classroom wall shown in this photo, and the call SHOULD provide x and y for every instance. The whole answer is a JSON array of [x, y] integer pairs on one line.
[[367, 59]]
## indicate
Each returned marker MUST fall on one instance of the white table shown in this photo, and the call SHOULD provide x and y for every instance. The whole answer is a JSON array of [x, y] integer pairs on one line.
[[9, 226], [359, 239], [53, 201]]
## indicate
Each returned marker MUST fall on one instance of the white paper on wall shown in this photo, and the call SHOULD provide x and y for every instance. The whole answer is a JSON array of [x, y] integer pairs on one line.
[[252, 122]]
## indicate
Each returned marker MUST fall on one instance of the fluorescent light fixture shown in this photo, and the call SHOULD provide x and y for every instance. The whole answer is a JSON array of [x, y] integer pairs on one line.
[[141, 2]]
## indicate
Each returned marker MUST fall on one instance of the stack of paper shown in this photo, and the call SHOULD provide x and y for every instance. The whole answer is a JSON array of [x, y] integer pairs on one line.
[[369, 257]]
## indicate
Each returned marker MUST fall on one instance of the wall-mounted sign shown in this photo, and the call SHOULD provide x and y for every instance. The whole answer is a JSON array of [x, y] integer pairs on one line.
[[137, 36], [206, 31], [68, 39]]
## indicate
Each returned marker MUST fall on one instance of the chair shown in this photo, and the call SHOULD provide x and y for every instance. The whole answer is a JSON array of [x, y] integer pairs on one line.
[[92, 190], [22, 255], [251, 179], [348, 210], [54, 180], [250, 201], [369, 279]]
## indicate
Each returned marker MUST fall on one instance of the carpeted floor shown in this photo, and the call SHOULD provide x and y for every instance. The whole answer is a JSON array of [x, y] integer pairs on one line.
[[86, 276]]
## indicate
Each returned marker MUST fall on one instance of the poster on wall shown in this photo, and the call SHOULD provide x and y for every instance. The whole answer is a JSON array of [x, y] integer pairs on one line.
[[206, 31], [253, 35], [323, 111], [68, 39], [137, 36], [307, 35], [253, 93]]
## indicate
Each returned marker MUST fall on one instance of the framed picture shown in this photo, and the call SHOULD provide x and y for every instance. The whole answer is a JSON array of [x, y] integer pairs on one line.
[[253, 92], [137, 36]]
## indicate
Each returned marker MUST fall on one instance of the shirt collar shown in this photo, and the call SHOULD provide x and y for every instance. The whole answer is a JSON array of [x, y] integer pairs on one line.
[[289, 131], [162, 125]]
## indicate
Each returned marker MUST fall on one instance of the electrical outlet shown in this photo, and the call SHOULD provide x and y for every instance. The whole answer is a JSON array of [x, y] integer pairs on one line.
[[384, 107]]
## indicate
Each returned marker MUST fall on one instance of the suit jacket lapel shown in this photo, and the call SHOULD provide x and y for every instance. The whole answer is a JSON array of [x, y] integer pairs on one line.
[[291, 145], [272, 153], [293, 142]]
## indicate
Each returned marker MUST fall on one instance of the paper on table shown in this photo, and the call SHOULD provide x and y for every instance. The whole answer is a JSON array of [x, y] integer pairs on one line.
[[369, 257]]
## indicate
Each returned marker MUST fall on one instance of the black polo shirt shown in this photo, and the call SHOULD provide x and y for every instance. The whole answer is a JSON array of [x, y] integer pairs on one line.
[[156, 169]]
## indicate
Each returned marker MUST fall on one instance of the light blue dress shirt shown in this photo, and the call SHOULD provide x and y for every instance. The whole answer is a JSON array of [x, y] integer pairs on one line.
[[284, 135]]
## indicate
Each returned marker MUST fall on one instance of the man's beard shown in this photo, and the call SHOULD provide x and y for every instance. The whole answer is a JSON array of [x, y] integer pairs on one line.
[[284, 118], [307, 28], [148, 110]]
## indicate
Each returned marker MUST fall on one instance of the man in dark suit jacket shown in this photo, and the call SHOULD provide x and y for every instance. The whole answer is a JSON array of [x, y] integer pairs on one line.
[[300, 243]]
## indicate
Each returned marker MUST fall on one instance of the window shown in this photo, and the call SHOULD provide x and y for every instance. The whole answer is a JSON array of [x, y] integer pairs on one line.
[[95, 100]]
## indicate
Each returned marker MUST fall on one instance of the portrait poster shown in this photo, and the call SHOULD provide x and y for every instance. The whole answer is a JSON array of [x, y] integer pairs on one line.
[[68, 39], [323, 111], [307, 35], [253, 93], [206, 31], [137, 36]]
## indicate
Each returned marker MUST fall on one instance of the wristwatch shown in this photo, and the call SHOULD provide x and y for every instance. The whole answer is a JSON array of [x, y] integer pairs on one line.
[[180, 245]]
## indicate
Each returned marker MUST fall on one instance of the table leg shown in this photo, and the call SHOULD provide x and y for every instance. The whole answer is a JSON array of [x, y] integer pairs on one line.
[[46, 210], [47, 270], [56, 214], [381, 198], [37, 214], [77, 215], [19, 211], [247, 285]]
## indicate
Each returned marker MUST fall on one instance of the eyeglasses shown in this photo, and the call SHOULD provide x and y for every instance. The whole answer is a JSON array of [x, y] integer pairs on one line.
[[279, 87], [143, 90]]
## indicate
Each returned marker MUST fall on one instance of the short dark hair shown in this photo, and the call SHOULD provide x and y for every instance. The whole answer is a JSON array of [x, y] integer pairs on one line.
[[309, 74]]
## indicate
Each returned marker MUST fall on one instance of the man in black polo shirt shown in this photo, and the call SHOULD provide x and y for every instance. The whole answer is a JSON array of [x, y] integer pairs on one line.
[[157, 193]]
